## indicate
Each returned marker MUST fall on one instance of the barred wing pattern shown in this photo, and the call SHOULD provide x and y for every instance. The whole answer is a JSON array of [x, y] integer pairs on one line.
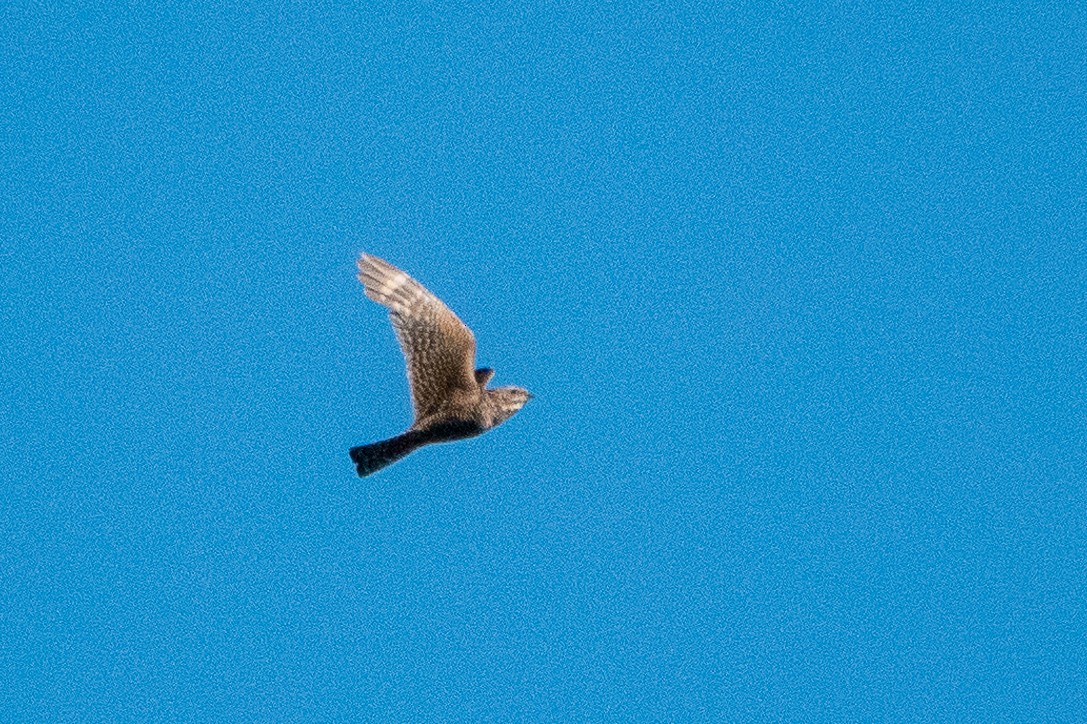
[[439, 349]]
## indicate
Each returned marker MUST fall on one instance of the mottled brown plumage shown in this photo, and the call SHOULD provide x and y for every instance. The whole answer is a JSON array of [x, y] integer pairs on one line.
[[449, 395]]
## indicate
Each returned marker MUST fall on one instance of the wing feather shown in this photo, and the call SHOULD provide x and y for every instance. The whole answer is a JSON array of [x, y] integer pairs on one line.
[[438, 347]]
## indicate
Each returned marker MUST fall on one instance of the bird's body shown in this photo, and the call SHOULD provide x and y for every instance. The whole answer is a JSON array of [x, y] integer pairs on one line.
[[450, 396]]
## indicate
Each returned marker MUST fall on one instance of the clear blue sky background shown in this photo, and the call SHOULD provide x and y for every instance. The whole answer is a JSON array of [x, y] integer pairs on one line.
[[799, 290]]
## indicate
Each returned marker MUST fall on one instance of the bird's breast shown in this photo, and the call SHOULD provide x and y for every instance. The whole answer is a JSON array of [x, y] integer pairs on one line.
[[446, 428]]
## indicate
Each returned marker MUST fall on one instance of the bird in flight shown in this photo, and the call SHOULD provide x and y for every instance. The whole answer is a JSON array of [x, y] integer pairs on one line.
[[449, 395]]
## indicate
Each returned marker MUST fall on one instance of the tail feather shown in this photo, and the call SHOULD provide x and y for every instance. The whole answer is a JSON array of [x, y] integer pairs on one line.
[[371, 458]]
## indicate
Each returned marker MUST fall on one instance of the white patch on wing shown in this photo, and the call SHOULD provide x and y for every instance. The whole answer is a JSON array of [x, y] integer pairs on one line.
[[392, 282]]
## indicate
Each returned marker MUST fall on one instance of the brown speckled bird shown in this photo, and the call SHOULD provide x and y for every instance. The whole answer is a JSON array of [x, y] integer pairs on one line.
[[450, 396]]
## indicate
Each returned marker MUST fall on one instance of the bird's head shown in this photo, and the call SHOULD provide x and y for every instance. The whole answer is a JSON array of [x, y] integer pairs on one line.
[[503, 402]]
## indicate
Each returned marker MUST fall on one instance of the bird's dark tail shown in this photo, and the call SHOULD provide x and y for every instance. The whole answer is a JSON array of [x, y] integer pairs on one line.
[[371, 458]]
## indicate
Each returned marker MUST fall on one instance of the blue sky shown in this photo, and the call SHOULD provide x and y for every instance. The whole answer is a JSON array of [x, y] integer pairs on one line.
[[799, 290]]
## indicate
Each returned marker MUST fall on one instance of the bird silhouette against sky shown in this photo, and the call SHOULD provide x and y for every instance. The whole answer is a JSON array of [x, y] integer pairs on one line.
[[449, 395]]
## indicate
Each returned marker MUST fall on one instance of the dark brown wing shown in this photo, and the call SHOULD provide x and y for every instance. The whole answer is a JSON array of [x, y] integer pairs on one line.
[[440, 350]]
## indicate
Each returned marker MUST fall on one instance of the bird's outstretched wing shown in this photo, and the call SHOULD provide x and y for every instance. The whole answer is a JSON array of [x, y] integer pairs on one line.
[[439, 349]]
